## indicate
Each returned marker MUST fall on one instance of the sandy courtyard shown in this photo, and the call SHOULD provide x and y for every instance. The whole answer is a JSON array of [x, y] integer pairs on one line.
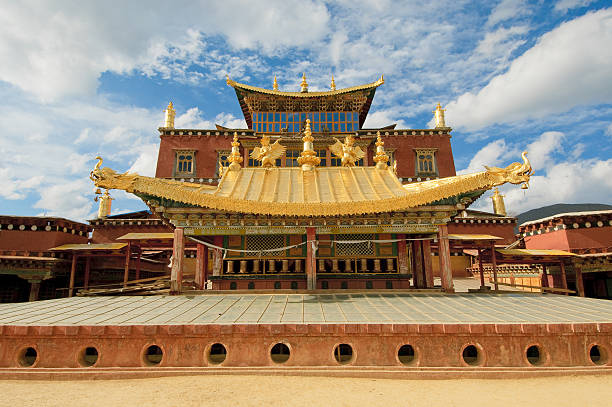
[[309, 391]]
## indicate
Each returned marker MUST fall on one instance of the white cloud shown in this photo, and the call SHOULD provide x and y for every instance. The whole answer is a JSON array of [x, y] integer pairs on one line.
[[547, 78], [493, 154], [541, 150], [506, 10], [565, 5], [381, 118]]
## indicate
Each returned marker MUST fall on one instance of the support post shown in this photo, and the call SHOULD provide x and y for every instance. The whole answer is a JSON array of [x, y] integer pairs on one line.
[[402, 256], [87, 271], [178, 255], [72, 273], [429, 278], [563, 276], [494, 264], [126, 271], [579, 280], [217, 256], [544, 277], [34, 290], [446, 272], [138, 254], [200, 271], [311, 262], [481, 270], [418, 264]]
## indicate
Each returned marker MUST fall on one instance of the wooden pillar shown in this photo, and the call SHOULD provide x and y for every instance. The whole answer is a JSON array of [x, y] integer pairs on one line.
[[178, 255], [138, 254], [579, 280], [563, 276], [217, 259], [34, 290], [446, 272], [417, 251], [87, 271], [126, 271], [544, 277], [494, 264], [72, 273], [402, 256], [311, 262], [429, 278], [200, 270], [481, 270]]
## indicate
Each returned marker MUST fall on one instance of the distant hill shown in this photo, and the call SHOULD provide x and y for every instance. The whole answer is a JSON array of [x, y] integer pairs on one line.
[[556, 209]]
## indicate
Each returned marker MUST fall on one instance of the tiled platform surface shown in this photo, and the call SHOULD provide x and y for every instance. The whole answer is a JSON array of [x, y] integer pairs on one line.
[[361, 308]]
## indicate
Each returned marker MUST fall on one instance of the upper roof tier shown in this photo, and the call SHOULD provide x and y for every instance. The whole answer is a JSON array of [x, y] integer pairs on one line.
[[253, 99]]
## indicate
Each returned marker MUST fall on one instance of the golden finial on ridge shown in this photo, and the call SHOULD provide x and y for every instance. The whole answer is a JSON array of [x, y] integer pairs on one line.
[[235, 158], [381, 157], [439, 116], [308, 157], [170, 114], [333, 83], [304, 85], [275, 84]]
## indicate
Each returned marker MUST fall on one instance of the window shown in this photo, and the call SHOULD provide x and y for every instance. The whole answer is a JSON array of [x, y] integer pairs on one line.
[[426, 162], [222, 160], [336, 162], [185, 163], [294, 122], [291, 157], [322, 154], [251, 162]]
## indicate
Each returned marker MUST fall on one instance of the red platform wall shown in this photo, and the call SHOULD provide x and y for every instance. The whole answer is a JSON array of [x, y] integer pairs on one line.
[[206, 155]]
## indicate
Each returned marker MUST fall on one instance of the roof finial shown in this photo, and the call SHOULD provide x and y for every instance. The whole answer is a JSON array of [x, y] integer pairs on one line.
[[304, 85], [170, 113], [498, 203], [104, 208], [275, 84], [380, 158], [333, 83], [439, 116], [235, 158], [308, 158]]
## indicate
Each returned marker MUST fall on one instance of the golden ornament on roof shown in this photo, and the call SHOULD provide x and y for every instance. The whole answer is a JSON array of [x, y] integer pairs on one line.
[[348, 153], [333, 83], [304, 85], [275, 84], [235, 158], [380, 158], [267, 153], [308, 157]]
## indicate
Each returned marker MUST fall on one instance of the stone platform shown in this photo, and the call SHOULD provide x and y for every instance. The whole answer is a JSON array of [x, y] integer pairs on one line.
[[352, 332]]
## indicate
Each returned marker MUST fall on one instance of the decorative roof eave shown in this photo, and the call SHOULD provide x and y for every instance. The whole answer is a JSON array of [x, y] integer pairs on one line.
[[228, 196], [250, 88]]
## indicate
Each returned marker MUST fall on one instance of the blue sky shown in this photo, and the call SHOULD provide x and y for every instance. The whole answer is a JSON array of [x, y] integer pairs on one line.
[[80, 79]]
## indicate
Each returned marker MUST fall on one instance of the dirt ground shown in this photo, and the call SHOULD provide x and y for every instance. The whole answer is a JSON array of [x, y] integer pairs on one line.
[[309, 391]]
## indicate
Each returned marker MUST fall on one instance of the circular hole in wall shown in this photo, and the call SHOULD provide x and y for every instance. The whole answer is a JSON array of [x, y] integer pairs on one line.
[[27, 357], [153, 355], [280, 353], [598, 355], [88, 356], [471, 355], [405, 354], [217, 353], [343, 353], [533, 354]]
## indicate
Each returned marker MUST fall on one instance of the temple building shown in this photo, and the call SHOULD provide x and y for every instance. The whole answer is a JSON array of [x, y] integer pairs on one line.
[[307, 198]]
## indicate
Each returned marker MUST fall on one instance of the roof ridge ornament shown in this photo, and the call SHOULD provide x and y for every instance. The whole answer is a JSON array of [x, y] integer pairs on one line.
[[381, 158], [235, 158], [439, 117], [348, 153], [267, 153], [308, 158], [498, 203], [333, 83], [275, 84], [170, 114], [304, 84]]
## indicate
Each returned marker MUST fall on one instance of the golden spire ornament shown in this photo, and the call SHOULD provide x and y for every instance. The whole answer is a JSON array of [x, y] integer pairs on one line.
[[333, 83], [308, 158], [235, 158], [275, 84], [381, 158], [169, 119], [105, 201], [304, 84]]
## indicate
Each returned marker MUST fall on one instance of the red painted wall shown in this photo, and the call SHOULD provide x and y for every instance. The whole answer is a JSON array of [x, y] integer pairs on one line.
[[27, 240], [206, 155], [406, 157], [505, 230], [583, 238], [108, 234]]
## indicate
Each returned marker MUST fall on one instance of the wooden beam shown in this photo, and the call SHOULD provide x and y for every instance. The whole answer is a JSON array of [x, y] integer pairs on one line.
[[481, 270], [311, 260], [446, 272], [87, 270], [429, 278], [72, 273], [178, 255], [419, 275], [126, 270], [494, 264], [579, 280], [200, 270], [563, 275]]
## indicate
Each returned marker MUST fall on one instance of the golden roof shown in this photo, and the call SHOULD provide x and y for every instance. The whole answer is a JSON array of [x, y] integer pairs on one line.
[[309, 94]]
